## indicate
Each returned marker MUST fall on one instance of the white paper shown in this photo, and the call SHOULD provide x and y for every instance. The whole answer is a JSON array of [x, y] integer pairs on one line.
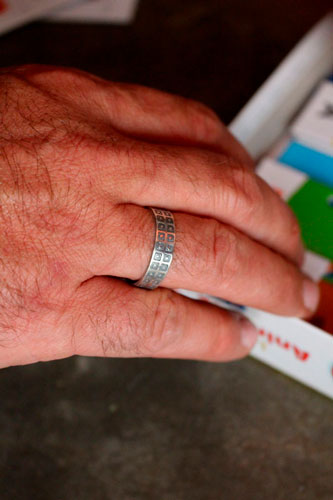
[[14, 13], [98, 11]]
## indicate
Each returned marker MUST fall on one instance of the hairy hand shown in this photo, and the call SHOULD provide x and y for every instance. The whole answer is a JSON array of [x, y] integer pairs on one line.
[[80, 158]]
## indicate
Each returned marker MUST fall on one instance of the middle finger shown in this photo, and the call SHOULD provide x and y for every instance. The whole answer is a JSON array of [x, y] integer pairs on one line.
[[205, 183]]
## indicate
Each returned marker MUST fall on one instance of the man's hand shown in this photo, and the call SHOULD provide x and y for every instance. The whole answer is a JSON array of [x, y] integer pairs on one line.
[[80, 158]]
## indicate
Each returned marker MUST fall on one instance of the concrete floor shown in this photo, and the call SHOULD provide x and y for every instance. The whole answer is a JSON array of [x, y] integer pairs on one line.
[[148, 429], [97, 429]]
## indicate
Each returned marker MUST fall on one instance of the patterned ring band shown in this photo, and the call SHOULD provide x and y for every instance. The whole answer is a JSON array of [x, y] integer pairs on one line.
[[164, 244]]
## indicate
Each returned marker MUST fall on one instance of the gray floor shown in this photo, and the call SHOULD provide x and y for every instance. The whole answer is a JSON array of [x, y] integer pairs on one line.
[[143, 429], [167, 430]]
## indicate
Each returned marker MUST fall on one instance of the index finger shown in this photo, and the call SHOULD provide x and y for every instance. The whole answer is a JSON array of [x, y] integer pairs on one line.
[[138, 111], [151, 114]]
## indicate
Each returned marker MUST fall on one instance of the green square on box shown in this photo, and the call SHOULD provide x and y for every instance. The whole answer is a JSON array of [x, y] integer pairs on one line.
[[313, 206]]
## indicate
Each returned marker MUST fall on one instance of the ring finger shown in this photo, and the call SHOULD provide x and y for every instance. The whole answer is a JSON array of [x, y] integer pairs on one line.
[[209, 257]]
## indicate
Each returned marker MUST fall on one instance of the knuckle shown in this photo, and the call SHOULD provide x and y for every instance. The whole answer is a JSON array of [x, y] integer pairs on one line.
[[240, 192], [149, 162], [294, 229], [248, 194], [206, 124], [25, 112], [224, 253], [21, 79], [139, 97], [17, 72], [40, 72], [194, 244], [163, 326], [144, 324], [24, 69], [139, 224], [116, 329]]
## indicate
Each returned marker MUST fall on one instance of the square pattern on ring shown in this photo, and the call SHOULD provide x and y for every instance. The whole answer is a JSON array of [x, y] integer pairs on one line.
[[163, 248]]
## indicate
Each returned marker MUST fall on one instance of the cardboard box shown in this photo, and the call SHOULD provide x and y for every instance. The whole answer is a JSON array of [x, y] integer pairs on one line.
[[292, 346]]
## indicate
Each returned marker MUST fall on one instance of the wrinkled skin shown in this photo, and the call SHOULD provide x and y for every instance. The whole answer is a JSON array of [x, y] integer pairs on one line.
[[80, 159]]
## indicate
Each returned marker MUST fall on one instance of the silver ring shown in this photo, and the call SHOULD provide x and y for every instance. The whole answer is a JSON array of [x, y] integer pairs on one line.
[[164, 245]]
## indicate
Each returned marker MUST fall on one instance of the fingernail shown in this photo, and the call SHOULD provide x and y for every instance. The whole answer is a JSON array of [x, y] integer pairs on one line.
[[311, 295], [249, 333]]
